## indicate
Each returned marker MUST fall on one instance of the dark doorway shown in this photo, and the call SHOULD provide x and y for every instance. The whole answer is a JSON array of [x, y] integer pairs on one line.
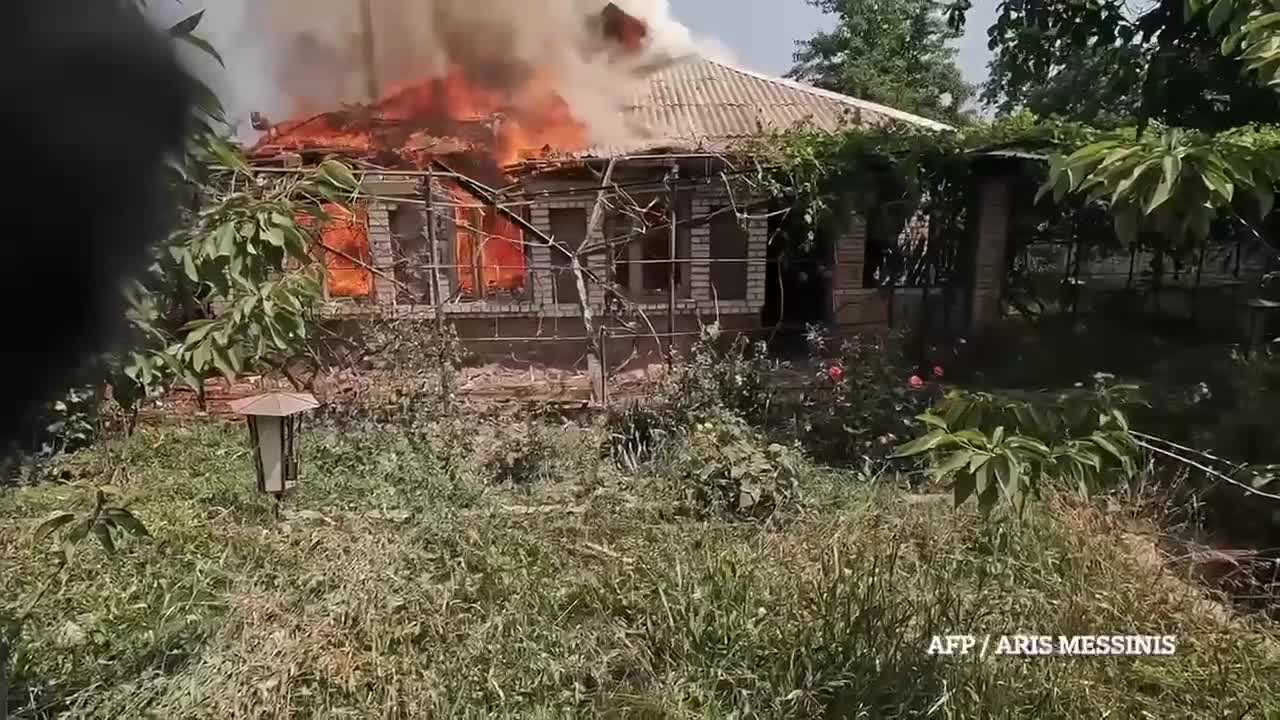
[[799, 282]]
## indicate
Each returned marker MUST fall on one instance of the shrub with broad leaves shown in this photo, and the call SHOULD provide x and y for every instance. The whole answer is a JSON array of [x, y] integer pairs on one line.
[[1008, 447], [734, 472]]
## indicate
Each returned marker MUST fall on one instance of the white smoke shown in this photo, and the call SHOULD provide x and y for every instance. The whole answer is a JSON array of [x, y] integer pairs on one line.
[[286, 56]]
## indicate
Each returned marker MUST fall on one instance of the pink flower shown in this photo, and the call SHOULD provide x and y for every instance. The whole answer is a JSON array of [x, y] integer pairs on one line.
[[937, 372], [836, 373], [916, 382]]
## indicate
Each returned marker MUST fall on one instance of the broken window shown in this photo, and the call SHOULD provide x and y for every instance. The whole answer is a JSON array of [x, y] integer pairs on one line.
[[569, 228], [729, 248], [413, 258], [344, 251], [642, 252], [489, 255]]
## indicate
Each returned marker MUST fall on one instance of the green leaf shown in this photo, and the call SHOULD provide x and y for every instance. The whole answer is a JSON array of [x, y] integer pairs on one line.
[[963, 489], [1023, 442], [1231, 43], [1263, 22], [79, 532], [987, 500], [228, 155], [956, 407], [954, 462], [982, 476], [1107, 444], [1218, 183], [1243, 169], [1220, 14], [52, 524], [202, 355], [1118, 155], [189, 266], [275, 236], [932, 420], [198, 330], [972, 437], [224, 363], [1012, 483], [203, 46], [226, 239], [1127, 184], [1172, 165], [187, 26], [338, 174], [1261, 49], [128, 522], [103, 532], [207, 100], [921, 444]]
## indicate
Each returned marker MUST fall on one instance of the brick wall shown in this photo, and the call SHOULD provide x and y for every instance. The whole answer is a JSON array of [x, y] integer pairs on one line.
[[707, 200], [855, 307], [989, 260], [540, 302], [382, 253]]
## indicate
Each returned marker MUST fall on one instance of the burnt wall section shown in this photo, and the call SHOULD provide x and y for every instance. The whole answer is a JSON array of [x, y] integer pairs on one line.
[[748, 270], [716, 246], [721, 266]]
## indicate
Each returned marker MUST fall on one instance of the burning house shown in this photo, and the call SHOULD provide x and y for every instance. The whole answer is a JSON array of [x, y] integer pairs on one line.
[[498, 192]]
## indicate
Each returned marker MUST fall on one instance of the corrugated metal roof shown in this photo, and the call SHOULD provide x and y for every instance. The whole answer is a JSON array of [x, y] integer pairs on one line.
[[703, 103]]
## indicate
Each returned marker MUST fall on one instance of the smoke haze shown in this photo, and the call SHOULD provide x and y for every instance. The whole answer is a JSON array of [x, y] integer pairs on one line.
[[289, 57]]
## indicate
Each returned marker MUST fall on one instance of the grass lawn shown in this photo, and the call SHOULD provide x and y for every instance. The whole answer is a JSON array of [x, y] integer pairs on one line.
[[405, 582]]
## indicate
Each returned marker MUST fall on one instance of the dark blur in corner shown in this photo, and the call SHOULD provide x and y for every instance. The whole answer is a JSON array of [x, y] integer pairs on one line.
[[92, 99]]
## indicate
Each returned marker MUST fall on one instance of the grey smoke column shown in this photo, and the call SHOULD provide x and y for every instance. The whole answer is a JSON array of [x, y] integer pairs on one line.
[[291, 56]]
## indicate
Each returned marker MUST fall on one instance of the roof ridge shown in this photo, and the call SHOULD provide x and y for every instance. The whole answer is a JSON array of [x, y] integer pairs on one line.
[[830, 95]]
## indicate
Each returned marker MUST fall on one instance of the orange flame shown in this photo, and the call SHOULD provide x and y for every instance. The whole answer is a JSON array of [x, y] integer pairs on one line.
[[344, 250], [450, 114], [439, 116]]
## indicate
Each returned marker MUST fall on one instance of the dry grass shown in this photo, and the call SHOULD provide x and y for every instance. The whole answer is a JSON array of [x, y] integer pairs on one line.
[[610, 604]]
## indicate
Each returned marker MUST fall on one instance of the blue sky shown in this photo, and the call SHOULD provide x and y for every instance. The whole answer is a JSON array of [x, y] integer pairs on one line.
[[761, 34]]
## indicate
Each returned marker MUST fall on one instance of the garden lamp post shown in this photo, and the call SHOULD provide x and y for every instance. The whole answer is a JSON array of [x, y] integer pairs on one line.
[[275, 426]]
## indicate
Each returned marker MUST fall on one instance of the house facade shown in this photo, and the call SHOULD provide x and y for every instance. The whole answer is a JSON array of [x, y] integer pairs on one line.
[[673, 243]]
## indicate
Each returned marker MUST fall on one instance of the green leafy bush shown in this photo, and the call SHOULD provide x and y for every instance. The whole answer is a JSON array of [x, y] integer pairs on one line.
[[519, 453], [720, 376], [861, 398], [71, 422], [1007, 447], [732, 471]]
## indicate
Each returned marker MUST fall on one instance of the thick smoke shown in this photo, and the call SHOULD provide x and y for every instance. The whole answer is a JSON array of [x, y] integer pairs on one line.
[[287, 57]]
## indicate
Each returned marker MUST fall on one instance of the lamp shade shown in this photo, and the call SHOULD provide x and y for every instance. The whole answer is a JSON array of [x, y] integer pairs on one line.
[[275, 427]]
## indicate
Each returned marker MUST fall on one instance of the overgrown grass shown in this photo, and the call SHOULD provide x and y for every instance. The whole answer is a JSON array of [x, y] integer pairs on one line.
[[584, 591]]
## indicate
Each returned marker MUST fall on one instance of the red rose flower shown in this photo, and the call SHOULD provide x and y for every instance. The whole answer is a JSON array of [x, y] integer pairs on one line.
[[916, 382], [836, 373], [937, 371]]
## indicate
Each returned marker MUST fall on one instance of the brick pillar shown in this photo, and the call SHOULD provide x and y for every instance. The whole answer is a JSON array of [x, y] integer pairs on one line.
[[381, 253], [758, 268], [846, 284], [700, 250], [446, 232], [597, 263], [989, 255], [541, 279]]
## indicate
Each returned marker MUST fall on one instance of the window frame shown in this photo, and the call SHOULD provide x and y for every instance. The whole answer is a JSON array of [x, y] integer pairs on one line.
[[631, 254]]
